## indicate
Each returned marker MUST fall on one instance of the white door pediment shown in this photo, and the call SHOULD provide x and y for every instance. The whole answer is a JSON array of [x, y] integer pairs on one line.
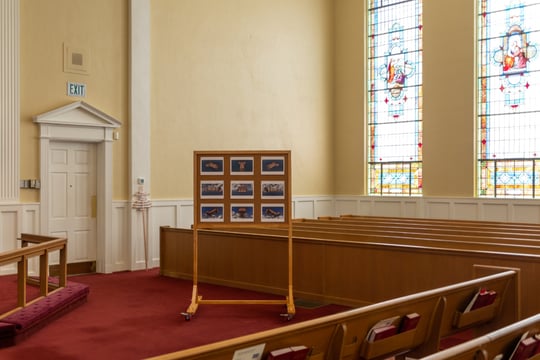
[[78, 113]]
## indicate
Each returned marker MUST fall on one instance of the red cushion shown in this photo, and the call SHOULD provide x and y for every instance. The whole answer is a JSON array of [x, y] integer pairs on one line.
[[48, 306], [6, 330]]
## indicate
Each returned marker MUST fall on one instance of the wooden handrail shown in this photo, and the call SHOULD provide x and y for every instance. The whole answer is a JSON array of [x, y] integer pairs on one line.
[[11, 256], [42, 247]]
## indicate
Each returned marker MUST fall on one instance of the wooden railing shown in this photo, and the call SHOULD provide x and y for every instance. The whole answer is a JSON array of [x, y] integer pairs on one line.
[[35, 246]]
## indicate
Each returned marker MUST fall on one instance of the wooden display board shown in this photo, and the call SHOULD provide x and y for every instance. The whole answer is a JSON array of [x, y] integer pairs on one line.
[[241, 188]]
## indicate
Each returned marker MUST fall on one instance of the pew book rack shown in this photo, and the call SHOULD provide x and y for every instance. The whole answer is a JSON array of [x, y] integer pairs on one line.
[[241, 189]]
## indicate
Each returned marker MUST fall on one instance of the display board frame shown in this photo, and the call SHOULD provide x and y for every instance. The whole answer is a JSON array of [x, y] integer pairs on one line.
[[239, 189]]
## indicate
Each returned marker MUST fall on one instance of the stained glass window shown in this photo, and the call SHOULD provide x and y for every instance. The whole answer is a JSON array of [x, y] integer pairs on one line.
[[508, 104], [394, 97]]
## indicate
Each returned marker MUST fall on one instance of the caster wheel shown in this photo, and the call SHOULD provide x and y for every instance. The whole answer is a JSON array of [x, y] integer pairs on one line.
[[287, 316]]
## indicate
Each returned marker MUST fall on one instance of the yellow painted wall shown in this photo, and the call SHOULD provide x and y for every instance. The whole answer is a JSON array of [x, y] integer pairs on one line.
[[244, 74], [449, 98], [349, 87], [448, 78], [101, 28], [241, 74]]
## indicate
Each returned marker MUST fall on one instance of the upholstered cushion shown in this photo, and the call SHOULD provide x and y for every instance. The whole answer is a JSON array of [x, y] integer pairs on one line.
[[46, 307], [6, 330]]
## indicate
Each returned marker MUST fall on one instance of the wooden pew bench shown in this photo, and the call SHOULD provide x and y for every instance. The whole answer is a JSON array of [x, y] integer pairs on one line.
[[433, 230], [443, 222], [337, 232], [343, 335], [500, 342], [344, 272]]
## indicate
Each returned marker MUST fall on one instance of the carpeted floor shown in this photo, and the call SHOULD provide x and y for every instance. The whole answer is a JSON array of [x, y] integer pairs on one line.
[[133, 315]]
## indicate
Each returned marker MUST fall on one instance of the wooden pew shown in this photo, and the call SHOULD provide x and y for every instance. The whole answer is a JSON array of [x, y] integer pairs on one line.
[[343, 335], [450, 231], [500, 342], [338, 232], [522, 230], [443, 222], [337, 271], [424, 228]]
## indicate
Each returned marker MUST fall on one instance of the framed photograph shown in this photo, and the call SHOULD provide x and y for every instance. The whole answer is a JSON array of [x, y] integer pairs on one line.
[[211, 213], [272, 165], [242, 165], [272, 189], [212, 189], [212, 165], [242, 190], [242, 212], [272, 213]]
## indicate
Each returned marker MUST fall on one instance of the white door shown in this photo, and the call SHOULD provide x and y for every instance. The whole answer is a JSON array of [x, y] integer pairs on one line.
[[72, 189]]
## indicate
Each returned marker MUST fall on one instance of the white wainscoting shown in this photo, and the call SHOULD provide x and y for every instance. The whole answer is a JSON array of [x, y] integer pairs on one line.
[[16, 219], [507, 210], [128, 250]]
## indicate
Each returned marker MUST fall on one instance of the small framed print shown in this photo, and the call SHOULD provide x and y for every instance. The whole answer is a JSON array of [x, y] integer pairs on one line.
[[272, 189], [272, 213], [242, 213], [242, 190], [242, 165], [211, 213], [212, 189], [212, 165], [272, 165]]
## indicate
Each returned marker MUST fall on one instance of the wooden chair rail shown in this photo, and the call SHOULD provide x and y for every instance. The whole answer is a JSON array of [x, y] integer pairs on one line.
[[42, 247]]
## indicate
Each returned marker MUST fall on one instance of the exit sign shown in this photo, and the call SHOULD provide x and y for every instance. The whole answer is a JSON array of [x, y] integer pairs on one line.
[[76, 89]]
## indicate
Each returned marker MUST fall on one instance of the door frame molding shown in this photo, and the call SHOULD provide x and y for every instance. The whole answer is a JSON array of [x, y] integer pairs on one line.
[[81, 122]]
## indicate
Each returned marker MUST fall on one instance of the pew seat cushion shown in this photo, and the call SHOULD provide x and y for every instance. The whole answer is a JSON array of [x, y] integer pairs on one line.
[[48, 307], [7, 330], [7, 334]]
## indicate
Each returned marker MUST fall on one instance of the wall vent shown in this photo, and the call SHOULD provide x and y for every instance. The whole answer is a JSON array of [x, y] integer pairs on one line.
[[76, 60]]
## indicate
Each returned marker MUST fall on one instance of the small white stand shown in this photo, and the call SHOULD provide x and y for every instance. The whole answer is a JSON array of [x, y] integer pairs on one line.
[[142, 204]]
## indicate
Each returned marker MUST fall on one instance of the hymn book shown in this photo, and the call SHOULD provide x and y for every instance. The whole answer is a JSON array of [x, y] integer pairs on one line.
[[392, 326], [409, 322], [483, 297], [299, 352], [525, 348]]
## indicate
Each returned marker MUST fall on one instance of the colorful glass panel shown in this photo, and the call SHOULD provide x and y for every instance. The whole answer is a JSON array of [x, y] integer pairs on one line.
[[395, 97], [508, 103]]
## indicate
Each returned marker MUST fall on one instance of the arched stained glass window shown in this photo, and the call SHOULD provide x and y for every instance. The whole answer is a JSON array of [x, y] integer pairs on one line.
[[394, 97], [508, 105]]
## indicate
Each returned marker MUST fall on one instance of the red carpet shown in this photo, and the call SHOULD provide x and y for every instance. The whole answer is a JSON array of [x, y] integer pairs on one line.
[[133, 315]]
